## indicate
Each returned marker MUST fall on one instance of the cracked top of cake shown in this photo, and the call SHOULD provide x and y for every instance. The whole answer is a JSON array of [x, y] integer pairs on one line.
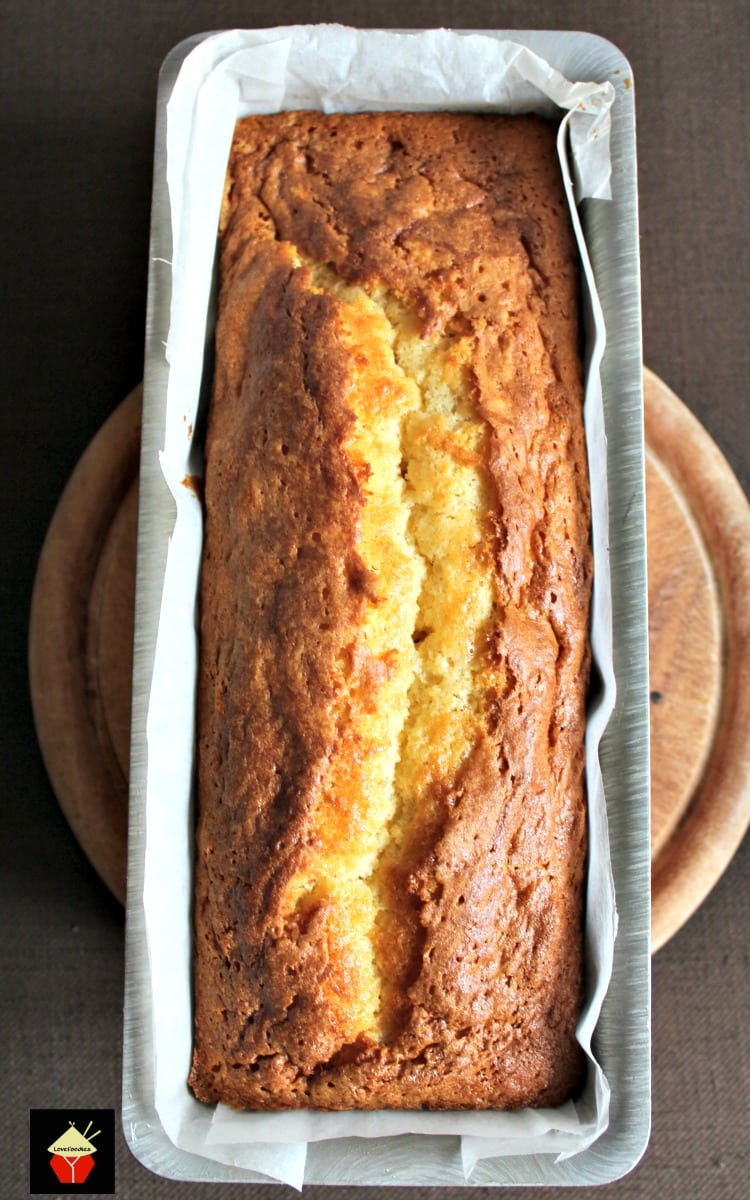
[[394, 607]]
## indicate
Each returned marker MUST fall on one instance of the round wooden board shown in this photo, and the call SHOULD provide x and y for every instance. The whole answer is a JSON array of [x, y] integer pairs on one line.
[[81, 639], [699, 636], [699, 580]]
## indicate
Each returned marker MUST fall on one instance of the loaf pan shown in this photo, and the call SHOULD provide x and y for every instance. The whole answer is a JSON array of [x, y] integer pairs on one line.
[[161, 759]]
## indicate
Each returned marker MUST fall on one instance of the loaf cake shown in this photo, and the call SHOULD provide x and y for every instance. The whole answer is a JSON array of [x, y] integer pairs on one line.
[[394, 600]]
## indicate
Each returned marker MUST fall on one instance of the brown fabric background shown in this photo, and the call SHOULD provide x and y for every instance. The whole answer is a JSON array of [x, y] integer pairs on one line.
[[77, 114]]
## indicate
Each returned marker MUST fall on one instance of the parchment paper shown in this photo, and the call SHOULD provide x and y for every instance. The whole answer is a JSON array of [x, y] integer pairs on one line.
[[338, 69]]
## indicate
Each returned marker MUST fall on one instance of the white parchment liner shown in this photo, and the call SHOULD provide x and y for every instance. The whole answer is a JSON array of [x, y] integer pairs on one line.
[[335, 68]]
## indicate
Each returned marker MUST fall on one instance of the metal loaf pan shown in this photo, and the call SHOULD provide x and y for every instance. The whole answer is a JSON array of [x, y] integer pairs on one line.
[[622, 1039]]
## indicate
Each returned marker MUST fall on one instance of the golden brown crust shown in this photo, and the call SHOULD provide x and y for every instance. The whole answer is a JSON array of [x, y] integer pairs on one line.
[[477, 941]]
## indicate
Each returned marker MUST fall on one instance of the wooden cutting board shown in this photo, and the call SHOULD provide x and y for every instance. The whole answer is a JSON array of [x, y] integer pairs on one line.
[[81, 636], [80, 641], [699, 637]]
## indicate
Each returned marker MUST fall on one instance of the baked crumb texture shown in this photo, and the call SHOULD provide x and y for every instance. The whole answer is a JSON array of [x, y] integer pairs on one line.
[[394, 622]]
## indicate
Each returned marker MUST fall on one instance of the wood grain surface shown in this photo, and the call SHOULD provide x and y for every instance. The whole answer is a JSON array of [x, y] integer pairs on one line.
[[699, 637], [699, 628], [81, 639]]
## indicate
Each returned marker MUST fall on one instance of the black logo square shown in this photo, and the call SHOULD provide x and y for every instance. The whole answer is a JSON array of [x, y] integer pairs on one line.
[[72, 1151]]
